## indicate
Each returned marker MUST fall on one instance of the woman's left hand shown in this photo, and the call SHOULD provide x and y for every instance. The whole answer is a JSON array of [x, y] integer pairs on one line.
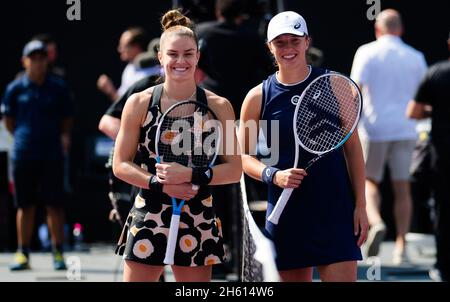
[[361, 224], [173, 173]]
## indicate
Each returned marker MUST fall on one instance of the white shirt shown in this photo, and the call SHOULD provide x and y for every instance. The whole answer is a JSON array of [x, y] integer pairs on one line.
[[131, 74], [389, 71]]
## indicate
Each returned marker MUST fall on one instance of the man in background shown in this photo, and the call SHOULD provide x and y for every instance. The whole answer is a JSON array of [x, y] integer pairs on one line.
[[38, 113], [433, 99], [389, 72], [132, 43]]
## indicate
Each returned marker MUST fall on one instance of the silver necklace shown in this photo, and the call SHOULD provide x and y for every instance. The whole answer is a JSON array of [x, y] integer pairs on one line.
[[173, 101]]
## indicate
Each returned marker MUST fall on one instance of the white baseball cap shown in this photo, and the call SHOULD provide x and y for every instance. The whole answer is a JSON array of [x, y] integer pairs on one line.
[[288, 22]]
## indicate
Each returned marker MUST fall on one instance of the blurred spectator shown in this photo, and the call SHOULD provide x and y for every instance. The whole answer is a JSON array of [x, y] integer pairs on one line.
[[121, 193], [233, 58], [432, 99], [198, 10], [38, 112], [6, 142], [52, 54], [421, 181], [388, 71], [132, 43]]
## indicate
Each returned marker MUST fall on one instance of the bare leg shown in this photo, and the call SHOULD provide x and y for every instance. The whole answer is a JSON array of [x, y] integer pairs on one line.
[[138, 272], [402, 212], [25, 224], [338, 272], [55, 221], [192, 274], [377, 229], [297, 275], [373, 202]]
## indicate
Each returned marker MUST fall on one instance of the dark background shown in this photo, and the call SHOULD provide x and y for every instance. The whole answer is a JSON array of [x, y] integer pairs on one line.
[[87, 48]]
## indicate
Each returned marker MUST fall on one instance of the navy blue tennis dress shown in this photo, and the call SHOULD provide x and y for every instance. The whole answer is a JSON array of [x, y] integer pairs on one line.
[[144, 236], [316, 226]]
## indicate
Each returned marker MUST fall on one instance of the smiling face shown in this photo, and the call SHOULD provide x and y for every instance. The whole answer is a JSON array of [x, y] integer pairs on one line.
[[289, 50], [179, 56]]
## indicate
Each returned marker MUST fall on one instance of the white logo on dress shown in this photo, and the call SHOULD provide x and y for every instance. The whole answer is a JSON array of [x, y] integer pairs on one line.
[[295, 99]]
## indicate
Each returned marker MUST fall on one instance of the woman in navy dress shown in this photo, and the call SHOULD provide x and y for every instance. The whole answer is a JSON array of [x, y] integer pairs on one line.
[[324, 222]]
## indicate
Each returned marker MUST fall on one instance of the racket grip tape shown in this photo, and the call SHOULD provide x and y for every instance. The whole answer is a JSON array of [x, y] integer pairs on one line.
[[274, 217], [172, 239]]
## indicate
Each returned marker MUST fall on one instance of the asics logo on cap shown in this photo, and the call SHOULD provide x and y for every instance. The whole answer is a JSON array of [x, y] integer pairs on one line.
[[297, 26]]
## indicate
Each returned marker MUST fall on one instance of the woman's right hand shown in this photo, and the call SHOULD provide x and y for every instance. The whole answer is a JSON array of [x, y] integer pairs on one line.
[[290, 178], [185, 191]]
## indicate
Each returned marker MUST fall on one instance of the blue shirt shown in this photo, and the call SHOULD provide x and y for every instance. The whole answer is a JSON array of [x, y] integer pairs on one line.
[[38, 112]]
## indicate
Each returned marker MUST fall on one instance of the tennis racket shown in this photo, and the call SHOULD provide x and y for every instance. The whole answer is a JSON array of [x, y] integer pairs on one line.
[[189, 134], [325, 117]]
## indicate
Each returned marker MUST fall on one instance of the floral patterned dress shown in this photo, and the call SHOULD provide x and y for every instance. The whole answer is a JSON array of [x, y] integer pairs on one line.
[[144, 236]]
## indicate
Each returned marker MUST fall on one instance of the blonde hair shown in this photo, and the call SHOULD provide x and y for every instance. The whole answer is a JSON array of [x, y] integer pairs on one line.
[[174, 22]]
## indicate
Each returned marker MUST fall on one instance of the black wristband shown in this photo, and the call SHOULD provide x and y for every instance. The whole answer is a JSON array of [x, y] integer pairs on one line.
[[154, 185], [201, 175], [268, 174]]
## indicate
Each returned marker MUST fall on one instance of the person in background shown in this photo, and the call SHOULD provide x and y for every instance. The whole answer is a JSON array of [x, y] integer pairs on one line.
[[432, 100], [132, 42], [38, 111], [231, 72], [388, 72]]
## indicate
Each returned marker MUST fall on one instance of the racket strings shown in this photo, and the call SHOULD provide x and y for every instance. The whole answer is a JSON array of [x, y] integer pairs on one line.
[[183, 132], [327, 113]]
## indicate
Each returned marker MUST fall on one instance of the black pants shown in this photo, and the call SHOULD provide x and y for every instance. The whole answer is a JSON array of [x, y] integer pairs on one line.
[[442, 198], [121, 195], [38, 181]]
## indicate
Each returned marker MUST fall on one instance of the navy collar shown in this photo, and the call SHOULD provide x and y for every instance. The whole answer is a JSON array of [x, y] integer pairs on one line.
[[28, 83]]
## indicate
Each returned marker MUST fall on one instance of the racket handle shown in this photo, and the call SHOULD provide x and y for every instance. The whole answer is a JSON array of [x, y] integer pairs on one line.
[[172, 239], [279, 206]]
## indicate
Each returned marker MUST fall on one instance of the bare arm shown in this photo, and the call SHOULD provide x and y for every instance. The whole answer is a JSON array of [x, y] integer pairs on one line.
[[248, 138], [10, 124], [110, 126], [127, 142], [106, 86], [250, 112], [230, 170], [126, 145], [66, 127], [417, 110], [356, 169]]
